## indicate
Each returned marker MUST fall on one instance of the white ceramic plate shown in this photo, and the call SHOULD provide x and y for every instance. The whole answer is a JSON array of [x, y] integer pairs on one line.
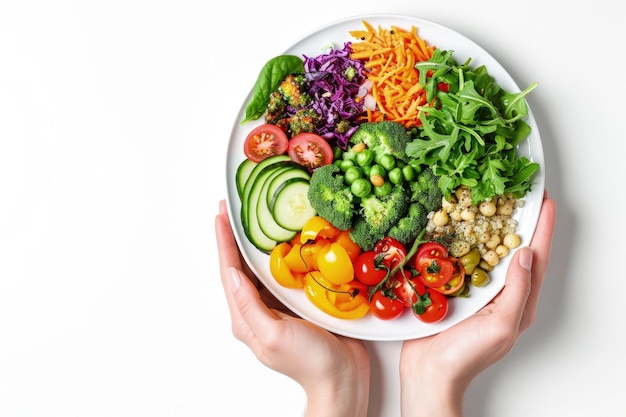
[[407, 326]]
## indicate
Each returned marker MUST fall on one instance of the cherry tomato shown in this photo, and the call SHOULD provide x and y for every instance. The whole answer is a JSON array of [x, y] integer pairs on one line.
[[386, 306], [432, 311], [407, 287], [435, 272], [264, 141], [393, 250], [310, 150], [431, 250], [369, 269], [456, 283]]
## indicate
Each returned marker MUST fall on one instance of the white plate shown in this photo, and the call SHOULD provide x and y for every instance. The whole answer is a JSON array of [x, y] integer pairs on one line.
[[407, 326]]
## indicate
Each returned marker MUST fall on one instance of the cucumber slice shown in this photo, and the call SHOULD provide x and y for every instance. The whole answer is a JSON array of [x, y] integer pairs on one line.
[[267, 223], [243, 173], [249, 182], [290, 205], [298, 171]]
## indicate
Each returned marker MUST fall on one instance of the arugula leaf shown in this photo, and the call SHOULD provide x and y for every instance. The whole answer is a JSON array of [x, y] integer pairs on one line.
[[470, 132]]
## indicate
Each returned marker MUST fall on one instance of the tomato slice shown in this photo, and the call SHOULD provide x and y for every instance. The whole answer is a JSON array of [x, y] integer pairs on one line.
[[435, 272], [264, 141], [310, 150], [393, 250], [432, 249], [407, 288]]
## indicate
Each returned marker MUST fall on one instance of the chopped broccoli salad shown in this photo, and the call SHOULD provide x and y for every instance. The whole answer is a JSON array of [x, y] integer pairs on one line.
[[409, 158]]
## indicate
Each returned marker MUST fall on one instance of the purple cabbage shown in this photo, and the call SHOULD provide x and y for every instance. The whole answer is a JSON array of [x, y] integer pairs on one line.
[[335, 79]]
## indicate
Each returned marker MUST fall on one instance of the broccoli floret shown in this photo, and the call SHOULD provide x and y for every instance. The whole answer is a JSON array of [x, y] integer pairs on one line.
[[380, 213], [362, 235], [425, 190], [409, 227], [331, 197], [386, 137]]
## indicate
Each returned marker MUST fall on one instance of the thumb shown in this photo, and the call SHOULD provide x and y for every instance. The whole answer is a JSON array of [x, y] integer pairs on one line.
[[517, 285]]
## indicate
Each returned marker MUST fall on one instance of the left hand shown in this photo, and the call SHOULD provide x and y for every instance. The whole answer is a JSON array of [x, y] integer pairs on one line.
[[334, 371]]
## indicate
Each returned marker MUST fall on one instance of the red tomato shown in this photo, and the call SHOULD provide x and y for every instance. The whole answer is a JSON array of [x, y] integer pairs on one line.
[[407, 288], [310, 150], [435, 272], [386, 306], [264, 141], [368, 268], [432, 250], [393, 250], [435, 311]]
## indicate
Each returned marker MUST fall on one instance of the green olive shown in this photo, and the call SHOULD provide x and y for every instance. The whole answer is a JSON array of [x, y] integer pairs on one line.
[[470, 260], [480, 277]]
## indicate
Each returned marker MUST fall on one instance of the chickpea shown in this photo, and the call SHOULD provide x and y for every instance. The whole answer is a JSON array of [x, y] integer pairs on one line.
[[377, 180], [456, 215], [359, 147], [505, 209], [484, 265], [484, 237], [492, 258], [447, 205], [468, 215], [502, 251], [440, 218], [511, 240], [487, 208], [494, 241], [479, 277]]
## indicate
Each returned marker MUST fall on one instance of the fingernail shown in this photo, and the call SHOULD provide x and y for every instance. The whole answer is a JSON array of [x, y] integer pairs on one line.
[[526, 258], [234, 278]]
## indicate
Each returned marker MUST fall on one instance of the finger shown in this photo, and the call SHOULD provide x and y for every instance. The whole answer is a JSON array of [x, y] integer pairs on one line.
[[541, 247], [253, 316], [512, 300]]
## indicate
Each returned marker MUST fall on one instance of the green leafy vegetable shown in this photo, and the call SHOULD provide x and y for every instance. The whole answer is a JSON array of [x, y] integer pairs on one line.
[[270, 77], [470, 130]]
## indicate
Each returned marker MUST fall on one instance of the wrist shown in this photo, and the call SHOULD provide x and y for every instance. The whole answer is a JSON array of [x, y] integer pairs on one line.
[[425, 395], [349, 399]]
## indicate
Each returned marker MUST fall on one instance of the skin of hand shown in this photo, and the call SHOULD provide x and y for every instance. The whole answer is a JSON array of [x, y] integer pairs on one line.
[[436, 371], [334, 371]]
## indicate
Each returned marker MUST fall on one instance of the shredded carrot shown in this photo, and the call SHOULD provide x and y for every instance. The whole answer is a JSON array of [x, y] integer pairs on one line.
[[390, 55]]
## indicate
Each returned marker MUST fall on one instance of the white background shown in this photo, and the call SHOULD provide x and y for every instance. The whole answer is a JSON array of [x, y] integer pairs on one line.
[[114, 123]]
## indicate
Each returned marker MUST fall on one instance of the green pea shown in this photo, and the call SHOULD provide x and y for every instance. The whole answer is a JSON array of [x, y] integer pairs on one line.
[[480, 278], [383, 190], [361, 187], [387, 161], [365, 157], [395, 175], [344, 164], [352, 174], [409, 173], [377, 169]]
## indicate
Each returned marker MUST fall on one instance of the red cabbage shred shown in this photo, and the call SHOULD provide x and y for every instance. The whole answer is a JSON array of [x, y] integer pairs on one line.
[[335, 79]]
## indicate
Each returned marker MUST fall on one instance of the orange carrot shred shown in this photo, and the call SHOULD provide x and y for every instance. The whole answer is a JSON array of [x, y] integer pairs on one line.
[[390, 55]]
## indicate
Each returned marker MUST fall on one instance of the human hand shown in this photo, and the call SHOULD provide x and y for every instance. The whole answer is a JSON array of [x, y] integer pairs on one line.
[[334, 371], [435, 371]]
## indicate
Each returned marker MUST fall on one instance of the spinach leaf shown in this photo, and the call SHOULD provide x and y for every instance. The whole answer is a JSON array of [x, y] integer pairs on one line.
[[270, 77]]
